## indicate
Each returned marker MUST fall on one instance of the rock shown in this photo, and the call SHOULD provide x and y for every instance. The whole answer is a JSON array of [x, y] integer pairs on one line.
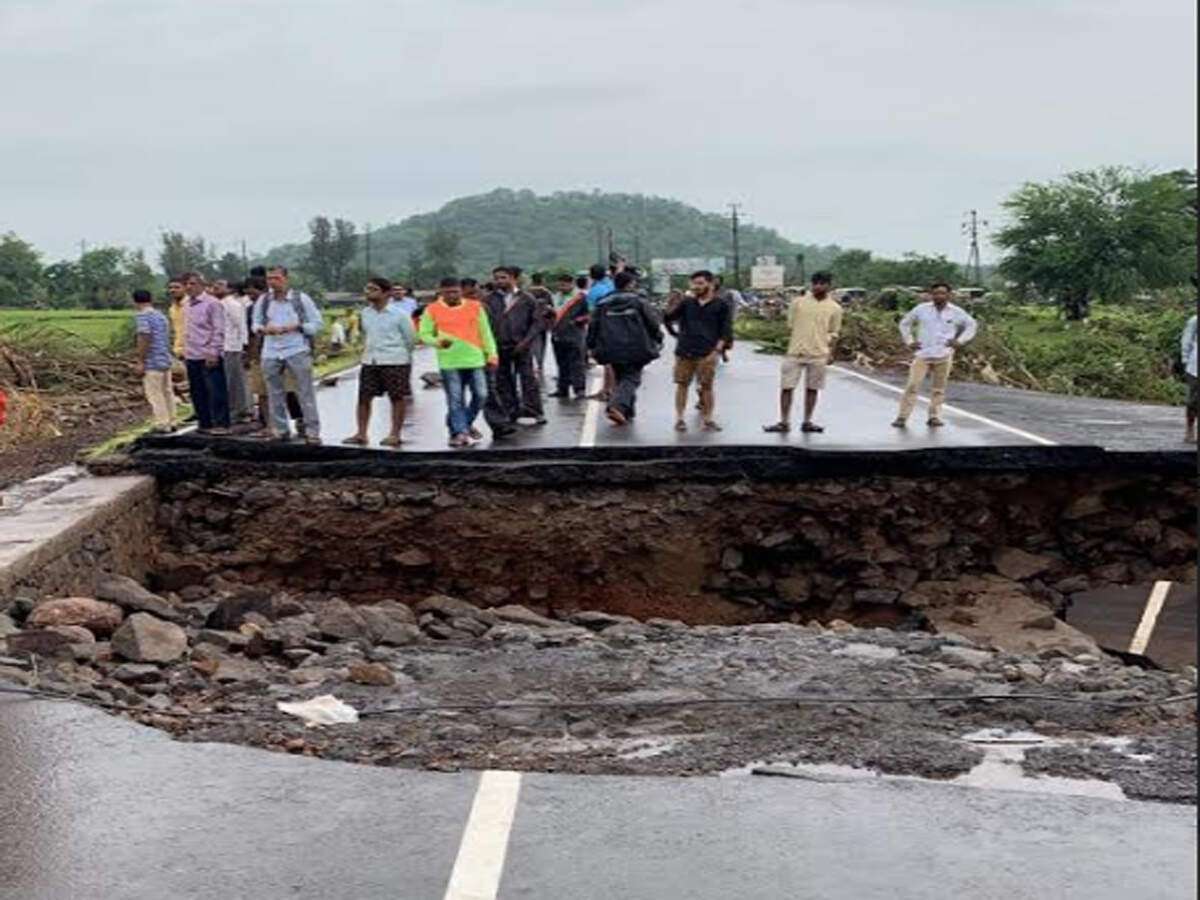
[[1116, 572], [20, 608], [794, 589], [174, 572], [495, 595], [625, 633], [413, 558], [76, 634], [1146, 531], [232, 612], [961, 615], [1072, 585], [1044, 622], [159, 702], [1014, 563], [7, 626], [444, 632], [392, 624], [931, 538], [137, 673], [313, 675], [512, 634], [519, 615], [776, 539], [596, 620], [876, 596], [1081, 507], [143, 638], [225, 640], [965, 656], [339, 620], [297, 656], [39, 643], [446, 607], [870, 652], [98, 617], [732, 559], [840, 626], [132, 597], [233, 668], [473, 627], [372, 673]]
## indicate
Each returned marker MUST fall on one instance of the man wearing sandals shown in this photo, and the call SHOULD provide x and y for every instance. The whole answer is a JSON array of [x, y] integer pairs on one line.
[[705, 328], [815, 320], [388, 340], [288, 321]]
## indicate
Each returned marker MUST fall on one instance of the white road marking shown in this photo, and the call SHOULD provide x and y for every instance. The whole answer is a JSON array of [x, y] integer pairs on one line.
[[480, 861], [1029, 436], [591, 416], [1154, 605]]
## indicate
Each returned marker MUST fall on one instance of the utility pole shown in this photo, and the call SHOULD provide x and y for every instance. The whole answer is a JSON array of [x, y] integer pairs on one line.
[[737, 257], [610, 243], [970, 227], [245, 261], [800, 264], [82, 249], [367, 235], [600, 243]]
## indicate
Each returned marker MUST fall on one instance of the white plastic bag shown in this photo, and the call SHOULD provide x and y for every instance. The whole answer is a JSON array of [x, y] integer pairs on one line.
[[324, 710]]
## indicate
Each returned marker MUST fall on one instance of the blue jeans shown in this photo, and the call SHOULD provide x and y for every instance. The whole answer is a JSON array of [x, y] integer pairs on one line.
[[461, 415], [209, 397]]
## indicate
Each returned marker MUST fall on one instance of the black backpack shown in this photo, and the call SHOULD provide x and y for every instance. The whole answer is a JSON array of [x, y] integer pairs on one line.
[[623, 333]]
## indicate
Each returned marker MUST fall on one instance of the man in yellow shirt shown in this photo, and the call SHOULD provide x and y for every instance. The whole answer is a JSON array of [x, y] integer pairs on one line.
[[178, 314], [815, 319]]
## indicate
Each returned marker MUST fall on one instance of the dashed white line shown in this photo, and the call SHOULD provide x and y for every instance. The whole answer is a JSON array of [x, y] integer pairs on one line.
[[1019, 432], [591, 416], [1154, 605], [480, 860]]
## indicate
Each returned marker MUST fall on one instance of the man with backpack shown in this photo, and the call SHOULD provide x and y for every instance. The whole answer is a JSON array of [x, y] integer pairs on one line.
[[288, 320], [624, 333]]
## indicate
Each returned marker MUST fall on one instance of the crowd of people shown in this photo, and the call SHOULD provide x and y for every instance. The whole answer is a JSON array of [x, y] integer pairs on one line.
[[247, 350]]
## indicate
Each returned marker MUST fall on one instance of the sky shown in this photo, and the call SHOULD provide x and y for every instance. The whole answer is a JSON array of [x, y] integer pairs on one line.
[[867, 123]]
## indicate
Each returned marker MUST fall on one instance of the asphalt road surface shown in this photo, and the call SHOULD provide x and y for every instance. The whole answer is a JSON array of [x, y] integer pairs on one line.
[[97, 807], [856, 410]]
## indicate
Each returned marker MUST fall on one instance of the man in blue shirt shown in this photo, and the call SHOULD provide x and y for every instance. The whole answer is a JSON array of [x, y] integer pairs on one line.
[[388, 341], [155, 360], [288, 321]]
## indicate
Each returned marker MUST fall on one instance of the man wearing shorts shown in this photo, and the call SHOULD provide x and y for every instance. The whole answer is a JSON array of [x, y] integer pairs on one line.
[[388, 341], [815, 320], [704, 325]]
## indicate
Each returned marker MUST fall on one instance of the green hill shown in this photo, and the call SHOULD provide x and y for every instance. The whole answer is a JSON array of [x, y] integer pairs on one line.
[[566, 230]]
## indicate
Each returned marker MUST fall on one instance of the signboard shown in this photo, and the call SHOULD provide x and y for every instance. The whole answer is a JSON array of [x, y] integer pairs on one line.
[[765, 261], [686, 265], [766, 277]]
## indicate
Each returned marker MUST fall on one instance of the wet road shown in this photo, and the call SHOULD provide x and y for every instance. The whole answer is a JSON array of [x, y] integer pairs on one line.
[[99, 808], [855, 409]]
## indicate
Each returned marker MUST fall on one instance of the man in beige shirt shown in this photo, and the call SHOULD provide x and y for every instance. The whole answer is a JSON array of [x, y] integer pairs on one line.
[[815, 319]]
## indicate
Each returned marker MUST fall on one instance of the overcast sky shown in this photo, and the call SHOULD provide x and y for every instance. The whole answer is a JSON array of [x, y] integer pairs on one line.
[[870, 123]]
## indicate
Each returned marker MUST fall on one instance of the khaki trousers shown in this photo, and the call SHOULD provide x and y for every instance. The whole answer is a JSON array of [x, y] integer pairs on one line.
[[916, 376], [157, 386]]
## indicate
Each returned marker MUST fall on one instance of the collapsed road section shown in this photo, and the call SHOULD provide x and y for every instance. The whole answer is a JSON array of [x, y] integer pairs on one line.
[[637, 610]]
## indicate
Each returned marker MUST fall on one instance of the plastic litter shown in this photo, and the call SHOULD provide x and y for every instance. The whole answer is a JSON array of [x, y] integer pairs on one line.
[[324, 710]]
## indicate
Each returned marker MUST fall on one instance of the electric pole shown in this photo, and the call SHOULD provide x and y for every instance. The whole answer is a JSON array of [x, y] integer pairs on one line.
[[245, 261], [610, 243], [970, 227], [367, 236], [737, 257], [800, 265], [600, 243]]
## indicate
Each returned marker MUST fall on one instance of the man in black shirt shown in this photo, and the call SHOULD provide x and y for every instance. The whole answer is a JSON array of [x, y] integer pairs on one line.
[[624, 333], [705, 327]]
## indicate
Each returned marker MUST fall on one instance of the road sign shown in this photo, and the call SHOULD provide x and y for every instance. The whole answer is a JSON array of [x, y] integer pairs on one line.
[[686, 265], [766, 277]]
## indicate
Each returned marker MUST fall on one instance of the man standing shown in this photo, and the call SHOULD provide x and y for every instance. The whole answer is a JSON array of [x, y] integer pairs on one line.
[[569, 337], [404, 301], [624, 334], [705, 328], [178, 310], [516, 319], [942, 328], [288, 321], [154, 360], [203, 345], [388, 340], [461, 332], [1188, 349], [541, 293], [237, 333], [815, 321]]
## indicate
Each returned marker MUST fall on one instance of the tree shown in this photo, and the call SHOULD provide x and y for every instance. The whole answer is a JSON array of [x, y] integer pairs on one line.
[[1105, 233], [320, 250], [102, 278], [345, 243], [852, 267], [21, 281], [183, 254], [442, 253], [231, 267]]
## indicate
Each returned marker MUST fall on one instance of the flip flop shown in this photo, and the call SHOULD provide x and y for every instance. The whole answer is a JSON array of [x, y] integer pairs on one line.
[[355, 441], [681, 425], [811, 428], [777, 428], [711, 426], [390, 441]]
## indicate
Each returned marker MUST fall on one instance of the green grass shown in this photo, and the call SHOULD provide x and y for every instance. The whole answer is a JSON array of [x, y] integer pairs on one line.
[[98, 326]]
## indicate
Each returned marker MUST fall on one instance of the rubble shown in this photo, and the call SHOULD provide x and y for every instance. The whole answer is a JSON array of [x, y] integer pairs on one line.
[[97, 616]]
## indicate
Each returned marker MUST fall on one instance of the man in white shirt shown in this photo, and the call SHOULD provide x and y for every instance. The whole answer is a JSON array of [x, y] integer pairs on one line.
[[1188, 350], [237, 333], [941, 328]]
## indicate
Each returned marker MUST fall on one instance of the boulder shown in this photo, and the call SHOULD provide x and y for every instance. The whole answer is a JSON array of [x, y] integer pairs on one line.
[[597, 620], [39, 643], [76, 634], [391, 624], [174, 572], [7, 626], [97, 616], [372, 673], [232, 612], [519, 615], [143, 638], [446, 607], [132, 597], [339, 620], [413, 558], [137, 673], [233, 668], [1017, 564]]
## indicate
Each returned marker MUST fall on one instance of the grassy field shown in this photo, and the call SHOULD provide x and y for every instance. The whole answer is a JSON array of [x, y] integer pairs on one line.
[[99, 326]]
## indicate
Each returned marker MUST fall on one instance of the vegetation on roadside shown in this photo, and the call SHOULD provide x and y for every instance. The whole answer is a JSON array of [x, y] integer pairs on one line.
[[1122, 352]]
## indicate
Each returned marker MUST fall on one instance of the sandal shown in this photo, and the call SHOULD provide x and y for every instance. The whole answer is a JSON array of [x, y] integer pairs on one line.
[[390, 441], [811, 428], [777, 428], [355, 441], [711, 426], [313, 440], [681, 425]]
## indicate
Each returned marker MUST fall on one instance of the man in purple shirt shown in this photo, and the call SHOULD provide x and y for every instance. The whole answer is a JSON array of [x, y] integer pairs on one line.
[[203, 346]]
